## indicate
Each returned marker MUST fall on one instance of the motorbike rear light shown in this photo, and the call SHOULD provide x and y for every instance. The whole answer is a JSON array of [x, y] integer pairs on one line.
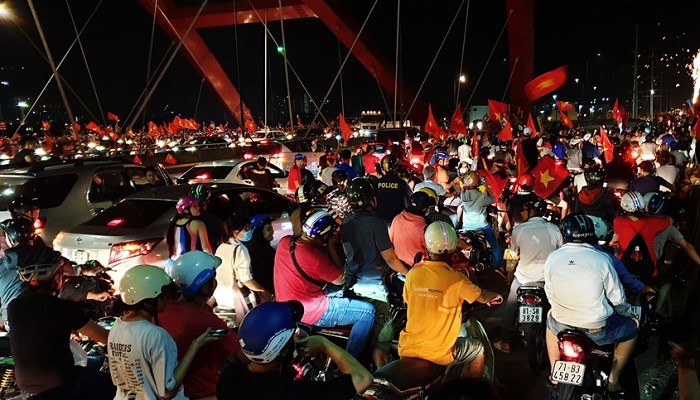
[[529, 299], [570, 350], [116, 222], [122, 251]]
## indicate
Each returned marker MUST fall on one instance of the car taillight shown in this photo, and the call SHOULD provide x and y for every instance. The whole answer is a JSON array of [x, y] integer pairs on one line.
[[278, 155], [202, 176], [122, 251], [570, 350], [116, 222], [529, 299], [248, 156]]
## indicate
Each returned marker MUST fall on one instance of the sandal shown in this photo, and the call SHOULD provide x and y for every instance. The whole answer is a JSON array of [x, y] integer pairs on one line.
[[502, 346]]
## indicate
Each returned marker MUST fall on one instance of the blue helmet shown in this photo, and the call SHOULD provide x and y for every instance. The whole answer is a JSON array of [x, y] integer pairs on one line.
[[267, 329], [318, 224], [653, 203], [259, 220]]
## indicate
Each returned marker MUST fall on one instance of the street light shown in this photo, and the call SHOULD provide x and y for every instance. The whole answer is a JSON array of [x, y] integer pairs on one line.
[[5, 11], [460, 80], [22, 105]]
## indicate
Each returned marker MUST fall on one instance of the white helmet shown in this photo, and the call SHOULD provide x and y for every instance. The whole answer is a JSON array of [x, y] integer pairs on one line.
[[192, 270], [440, 238], [632, 202], [527, 131], [143, 282]]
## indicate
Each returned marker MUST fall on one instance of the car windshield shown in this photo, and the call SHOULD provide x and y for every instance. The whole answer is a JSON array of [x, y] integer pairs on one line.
[[132, 213], [207, 172], [264, 148], [49, 190]]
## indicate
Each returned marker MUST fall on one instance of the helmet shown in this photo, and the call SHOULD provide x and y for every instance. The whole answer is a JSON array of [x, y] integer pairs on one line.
[[471, 179], [632, 202], [389, 162], [192, 270], [594, 176], [259, 220], [17, 230], [419, 202], [578, 228], [431, 193], [318, 224], [37, 263], [184, 203], [526, 181], [267, 329], [143, 282], [440, 238], [360, 193], [200, 192], [538, 205], [601, 227], [339, 176], [654, 202], [310, 191], [527, 131], [441, 155], [299, 156], [21, 204]]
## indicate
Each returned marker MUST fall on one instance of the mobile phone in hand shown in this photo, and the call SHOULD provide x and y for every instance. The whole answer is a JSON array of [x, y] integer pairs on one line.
[[218, 332]]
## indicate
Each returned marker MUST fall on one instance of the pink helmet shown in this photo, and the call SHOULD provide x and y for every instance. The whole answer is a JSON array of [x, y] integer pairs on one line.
[[184, 203]]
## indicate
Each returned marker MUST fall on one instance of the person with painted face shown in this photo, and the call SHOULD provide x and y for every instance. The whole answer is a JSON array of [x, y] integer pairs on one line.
[[262, 254], [237, 289]]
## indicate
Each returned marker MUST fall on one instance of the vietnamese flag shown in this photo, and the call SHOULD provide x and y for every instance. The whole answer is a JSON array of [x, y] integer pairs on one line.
[[431, 126], [457, 123], [300, 125], [48, 142], [77, 127], [548, 176], [112, 117], [545, 83], [496, 184], [498, 110], [531, 125], [94, 127], [565, 120], [137, 159], [345, 130], [45, 126], [616, 113], [152, 129], [170, 159], [250, 125], [475, 145], [506, 133], [521, 164], [607, 145], [564, 106], [16, 137]]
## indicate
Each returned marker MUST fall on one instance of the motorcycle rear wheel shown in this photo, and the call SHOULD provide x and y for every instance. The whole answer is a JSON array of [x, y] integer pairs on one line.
[[535, 347]]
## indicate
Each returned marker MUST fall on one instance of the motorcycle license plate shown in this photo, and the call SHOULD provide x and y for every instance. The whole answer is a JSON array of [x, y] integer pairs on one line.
[[80, 257], [637, 312], [568, 372], [530, 315]]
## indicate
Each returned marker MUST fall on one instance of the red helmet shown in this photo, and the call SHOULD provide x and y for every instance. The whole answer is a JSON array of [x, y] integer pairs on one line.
[[526, 181]]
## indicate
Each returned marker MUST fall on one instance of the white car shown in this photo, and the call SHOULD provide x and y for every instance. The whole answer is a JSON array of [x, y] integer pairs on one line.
[[282, 155], [133, 231], [230, 171]]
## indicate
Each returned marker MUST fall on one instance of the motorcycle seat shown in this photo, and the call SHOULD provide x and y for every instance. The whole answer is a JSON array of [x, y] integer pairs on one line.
[[409, 373], [342, 331]]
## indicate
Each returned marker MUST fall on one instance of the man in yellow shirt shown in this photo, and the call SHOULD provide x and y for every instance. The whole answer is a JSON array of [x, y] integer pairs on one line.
[[434, 294]]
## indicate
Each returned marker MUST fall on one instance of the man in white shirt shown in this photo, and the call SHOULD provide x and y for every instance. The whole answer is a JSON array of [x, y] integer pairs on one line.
[[667, 170], [533, 240], [586, 295], [465, 151]]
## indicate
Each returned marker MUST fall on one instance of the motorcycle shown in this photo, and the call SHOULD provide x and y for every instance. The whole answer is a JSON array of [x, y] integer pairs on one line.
[[92, 287], [532, 310]]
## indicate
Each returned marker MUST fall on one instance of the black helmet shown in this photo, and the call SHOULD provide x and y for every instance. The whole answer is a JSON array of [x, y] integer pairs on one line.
[[578, 228], [389, 163], [17, 230], [360, 193], [419, 203], [22, 204], [538, 205], [339, 176], [37, 263], [594, 176], [200, 192], [311, 191]]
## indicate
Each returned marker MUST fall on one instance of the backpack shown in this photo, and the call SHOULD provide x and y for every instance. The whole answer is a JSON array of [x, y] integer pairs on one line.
[[637, 258]]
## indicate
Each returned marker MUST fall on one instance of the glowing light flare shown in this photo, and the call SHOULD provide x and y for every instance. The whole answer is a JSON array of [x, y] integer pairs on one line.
[[695, 73]]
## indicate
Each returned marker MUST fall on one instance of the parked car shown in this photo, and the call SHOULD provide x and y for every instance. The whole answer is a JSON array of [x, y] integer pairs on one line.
[[73, 192], [133, 231], [281, 155], [230, 171], [268, 135]]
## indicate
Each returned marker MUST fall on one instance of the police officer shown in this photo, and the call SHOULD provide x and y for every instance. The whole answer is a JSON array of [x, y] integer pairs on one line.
[[392, 191]]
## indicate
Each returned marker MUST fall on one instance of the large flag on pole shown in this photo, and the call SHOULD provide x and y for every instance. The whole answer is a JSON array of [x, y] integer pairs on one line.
[[506, 133], [457, 123], [345, 130], [498, 110], [545, 83], [431, 126], [607, 145], [564, 106]]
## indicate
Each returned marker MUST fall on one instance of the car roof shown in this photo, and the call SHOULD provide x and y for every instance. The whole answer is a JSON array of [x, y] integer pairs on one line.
[[222, 163], [173, 193], [50, 168]]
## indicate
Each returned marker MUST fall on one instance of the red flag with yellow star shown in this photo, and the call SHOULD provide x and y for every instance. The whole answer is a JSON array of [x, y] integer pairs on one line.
[[457, 123], [564, 106], [545, 83], [548, 176], [345, 130], [531, 125], [498, 110], [565, 120], [607, 145], [506, 133], [431, 126]]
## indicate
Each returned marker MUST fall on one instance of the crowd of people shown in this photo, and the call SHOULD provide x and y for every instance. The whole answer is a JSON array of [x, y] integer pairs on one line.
[[368, 227]]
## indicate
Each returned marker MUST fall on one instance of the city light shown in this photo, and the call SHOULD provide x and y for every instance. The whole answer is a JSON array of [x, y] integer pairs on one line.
[[462, 79], [5, 11]]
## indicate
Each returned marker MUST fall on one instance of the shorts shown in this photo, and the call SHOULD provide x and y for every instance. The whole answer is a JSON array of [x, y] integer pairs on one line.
[[466, 350], [382, 333], [617, 329]]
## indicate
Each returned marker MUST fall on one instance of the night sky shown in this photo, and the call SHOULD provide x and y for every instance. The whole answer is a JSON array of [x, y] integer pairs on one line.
[[595, 40]]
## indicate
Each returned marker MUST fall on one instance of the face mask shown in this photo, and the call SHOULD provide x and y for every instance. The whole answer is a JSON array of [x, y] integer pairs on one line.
[[248, 235]]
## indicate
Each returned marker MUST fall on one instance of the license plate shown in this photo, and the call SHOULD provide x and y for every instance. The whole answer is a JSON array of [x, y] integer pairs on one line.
[[568, 372], [80, 257], [530, 315], [637, 312]]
